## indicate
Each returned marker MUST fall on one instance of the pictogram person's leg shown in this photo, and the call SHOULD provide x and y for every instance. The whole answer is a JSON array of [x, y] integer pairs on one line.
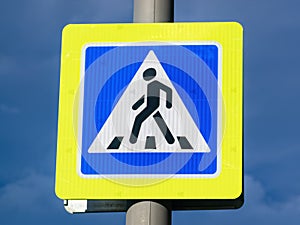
[[139, 119], [164, 128]]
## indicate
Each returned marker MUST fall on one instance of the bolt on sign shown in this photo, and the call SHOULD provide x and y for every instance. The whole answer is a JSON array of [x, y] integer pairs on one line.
[[152, 111]]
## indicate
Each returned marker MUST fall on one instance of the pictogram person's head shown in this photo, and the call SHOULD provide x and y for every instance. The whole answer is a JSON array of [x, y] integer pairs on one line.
[[149, 74]]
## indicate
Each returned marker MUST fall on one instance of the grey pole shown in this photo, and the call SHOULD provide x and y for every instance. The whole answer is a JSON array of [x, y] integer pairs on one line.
[[153, 11], [149, 212]]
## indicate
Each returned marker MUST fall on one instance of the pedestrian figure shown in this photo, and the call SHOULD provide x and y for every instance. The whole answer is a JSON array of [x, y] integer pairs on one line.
[[153, 102]]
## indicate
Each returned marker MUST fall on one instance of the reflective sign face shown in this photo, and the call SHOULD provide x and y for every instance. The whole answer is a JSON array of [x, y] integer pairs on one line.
[[150, 111]]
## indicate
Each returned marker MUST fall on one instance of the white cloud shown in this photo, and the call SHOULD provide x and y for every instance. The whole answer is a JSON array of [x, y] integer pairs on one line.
[[31, 200], [262, 208], [31, 194], [258, 209]]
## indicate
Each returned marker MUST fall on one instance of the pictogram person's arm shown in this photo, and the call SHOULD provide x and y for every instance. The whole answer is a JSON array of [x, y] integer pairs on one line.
[[169, 95], [169, 98], [138, 103]]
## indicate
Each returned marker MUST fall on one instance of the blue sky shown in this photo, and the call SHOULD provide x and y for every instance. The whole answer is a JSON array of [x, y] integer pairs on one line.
[[29, 84]]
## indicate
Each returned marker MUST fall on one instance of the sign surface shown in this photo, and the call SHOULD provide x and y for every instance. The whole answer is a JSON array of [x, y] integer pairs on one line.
[[150, 111]]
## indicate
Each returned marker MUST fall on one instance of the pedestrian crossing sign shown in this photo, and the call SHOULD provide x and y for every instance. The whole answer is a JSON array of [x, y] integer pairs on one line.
[[150, 111]]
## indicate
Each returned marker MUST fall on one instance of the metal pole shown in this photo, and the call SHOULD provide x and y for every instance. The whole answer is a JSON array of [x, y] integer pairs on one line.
[[153, 11], [148, 213]]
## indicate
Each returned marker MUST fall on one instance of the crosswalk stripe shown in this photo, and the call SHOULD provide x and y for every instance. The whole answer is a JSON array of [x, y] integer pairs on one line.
[[184, 143], [116, 142], [150, 142]]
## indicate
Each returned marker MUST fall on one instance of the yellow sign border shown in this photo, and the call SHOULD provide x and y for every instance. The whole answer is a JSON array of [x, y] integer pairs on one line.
[[229, 183]]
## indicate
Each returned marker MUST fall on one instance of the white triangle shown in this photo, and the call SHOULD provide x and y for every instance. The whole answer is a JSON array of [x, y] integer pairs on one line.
[[120, 121]]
